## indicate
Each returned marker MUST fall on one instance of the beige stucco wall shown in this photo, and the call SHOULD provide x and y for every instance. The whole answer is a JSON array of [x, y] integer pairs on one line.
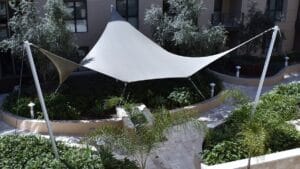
[[205, 15], [287, 24], [98, 13]]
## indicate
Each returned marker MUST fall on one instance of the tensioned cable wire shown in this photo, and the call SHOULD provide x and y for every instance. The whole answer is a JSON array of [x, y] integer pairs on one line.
[[197, 89]]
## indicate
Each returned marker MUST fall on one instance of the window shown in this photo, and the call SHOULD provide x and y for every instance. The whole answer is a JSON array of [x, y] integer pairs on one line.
[[275, 9], [3, 21], [77, 19], [218, 5], [129, 10]]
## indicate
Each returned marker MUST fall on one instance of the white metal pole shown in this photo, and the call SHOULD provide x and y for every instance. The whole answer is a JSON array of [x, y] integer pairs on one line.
[[263, 75], [41, 97]]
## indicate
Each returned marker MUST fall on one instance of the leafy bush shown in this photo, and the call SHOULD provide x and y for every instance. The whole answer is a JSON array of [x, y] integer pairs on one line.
[[181, 96], [109, 162], [224, 152], [266, 131], [112, 102], [284, 137], [34, 152], [58, 106]]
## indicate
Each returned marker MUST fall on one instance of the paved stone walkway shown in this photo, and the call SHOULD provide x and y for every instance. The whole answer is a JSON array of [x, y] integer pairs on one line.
[[182, 145]]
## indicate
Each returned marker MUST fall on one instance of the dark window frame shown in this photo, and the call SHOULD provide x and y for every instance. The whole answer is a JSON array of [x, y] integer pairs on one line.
[[126, 11], [278, 8], [74, 19], [4, 19]]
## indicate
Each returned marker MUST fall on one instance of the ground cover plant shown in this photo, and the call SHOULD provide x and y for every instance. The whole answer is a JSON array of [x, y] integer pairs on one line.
[[93, 95], [267, 131], [35, 152]]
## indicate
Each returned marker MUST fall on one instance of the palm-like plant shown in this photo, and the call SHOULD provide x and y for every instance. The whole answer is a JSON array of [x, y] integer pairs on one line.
[[254, 138], [139, 143]]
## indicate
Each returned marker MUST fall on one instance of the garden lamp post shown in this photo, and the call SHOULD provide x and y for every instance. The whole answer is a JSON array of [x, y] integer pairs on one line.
[[31, 106], [41, 97], [238, 68], [212, 90], [286, 63]]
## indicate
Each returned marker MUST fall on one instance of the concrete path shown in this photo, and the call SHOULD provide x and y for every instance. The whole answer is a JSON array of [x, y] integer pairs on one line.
[[183, 144]]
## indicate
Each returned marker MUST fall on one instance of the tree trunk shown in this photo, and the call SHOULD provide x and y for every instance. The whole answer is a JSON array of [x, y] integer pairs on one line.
[[249, 163], [13, 65]]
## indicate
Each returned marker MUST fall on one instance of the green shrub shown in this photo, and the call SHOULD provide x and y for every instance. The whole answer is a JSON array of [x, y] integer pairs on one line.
[[33, 152], [181, 96], [59, 108], [112, 102], [224, 152], [284, 137], [291, 89], [21, 107], [267, 130], [109, 162]]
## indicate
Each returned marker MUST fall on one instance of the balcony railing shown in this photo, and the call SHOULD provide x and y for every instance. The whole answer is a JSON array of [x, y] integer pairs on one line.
[[228, 20]]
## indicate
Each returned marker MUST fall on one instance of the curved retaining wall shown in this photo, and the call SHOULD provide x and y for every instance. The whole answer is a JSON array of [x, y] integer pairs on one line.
[[272, 80], [70, 127], [205, 105], [83, 127]]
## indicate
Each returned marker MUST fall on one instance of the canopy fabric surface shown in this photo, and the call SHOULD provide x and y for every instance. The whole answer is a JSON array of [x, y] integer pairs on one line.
[[64, 67], [123, 53]]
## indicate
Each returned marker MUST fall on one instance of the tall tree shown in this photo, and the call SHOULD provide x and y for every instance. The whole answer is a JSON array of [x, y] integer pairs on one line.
[[54, 34], [176, 28], [48, 31]]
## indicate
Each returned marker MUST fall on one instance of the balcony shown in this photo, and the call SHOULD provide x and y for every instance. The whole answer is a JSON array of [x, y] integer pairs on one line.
[[230, 21]]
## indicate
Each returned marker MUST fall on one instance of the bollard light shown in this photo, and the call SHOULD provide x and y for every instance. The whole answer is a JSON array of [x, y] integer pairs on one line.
[[286, 63], [212, 90], [31, 106], [238, 68]]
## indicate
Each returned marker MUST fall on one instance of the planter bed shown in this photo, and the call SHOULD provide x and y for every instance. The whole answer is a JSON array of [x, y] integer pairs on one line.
[[83, 127], [60, 127], [289, 159], [270, 129]]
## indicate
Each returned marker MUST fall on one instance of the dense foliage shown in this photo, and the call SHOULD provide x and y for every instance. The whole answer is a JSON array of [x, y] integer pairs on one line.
[[96, 96], [265, 132], [34, 152], [47, 30], [257, 22], [175, 27], [59, 107]]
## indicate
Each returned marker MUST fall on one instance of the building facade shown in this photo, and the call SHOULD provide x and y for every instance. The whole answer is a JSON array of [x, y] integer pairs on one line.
[[90, 21]]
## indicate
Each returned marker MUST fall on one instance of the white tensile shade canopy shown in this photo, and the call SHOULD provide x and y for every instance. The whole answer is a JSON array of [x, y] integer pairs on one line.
[[125, 54]]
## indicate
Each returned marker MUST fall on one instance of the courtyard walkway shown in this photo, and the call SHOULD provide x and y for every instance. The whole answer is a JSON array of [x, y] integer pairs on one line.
[[182, 145]]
